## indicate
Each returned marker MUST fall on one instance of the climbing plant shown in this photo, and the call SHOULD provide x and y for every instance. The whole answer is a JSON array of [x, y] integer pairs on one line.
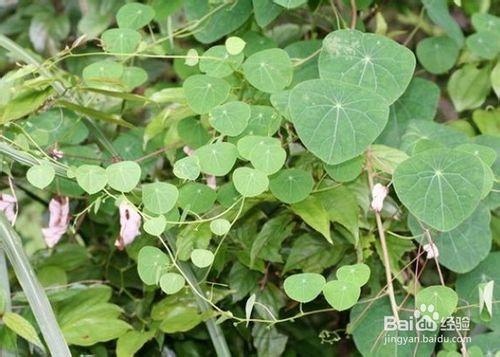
[[237, 177]]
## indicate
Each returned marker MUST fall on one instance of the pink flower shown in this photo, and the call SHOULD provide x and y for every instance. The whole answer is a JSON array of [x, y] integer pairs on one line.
[[187, 150], [130, 222], [431, 250], [58, 221], [8, 205], [212, 182], [56, 154], [379, 193]]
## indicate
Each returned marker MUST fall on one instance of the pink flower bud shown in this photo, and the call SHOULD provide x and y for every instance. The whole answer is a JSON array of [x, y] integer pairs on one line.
[[8, 205], [379, 193], [58, 221], [187, 150], [130, 222], [212, 182], [431, 250]]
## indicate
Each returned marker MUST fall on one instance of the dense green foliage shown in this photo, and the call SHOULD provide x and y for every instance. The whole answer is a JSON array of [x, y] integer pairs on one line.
[[251, 177]]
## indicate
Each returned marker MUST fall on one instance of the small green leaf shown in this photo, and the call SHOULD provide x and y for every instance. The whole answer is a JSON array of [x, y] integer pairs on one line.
[[439, 13], [170, 283], [220, 226], [41, 175], [134, 15], [91, 178], [196, 197], [468, 87], [248, 144], [102, 72], [304, 287], [151, 262], [230, 118], [202, 258], [437, 54], [485, 44], [357, 274], [217, 159], [291, 185], [123, 176], [312, 211], [442, 299], [121, 40], [234, 45], [187, 168], [155, 225], [269, 71], [217, 62], [346, 171], [133, 77], [290, 4], [159, 197], [268, 159], [250, 182], [22, 327], [341, 294], [204, 93]]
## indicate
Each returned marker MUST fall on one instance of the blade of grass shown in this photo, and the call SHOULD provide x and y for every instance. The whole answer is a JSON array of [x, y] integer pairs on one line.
[[39, 303], [5, 291]]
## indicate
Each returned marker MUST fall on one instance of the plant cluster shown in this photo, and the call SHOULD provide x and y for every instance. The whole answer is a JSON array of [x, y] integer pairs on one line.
[[238, 177]]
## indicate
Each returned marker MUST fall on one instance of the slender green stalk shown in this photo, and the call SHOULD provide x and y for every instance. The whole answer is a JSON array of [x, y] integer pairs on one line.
[[216, 334], [5, 291], [35, 294], [23, 55]]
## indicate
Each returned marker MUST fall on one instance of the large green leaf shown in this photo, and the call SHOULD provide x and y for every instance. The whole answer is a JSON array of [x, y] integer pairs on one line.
[[367, 60], [336, 121], [312, 211], [367, 328], [441, 187]]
